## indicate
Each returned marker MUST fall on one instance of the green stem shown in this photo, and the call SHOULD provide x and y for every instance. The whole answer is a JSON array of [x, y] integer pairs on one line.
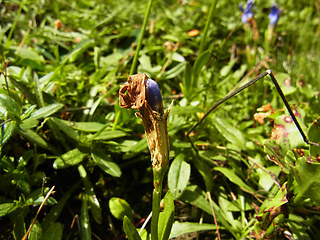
[[206, 28], [144, 26], [156, 199], [15, 21]]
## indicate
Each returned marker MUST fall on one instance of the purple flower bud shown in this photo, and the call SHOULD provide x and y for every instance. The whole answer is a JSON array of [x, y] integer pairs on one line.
[[274, 15], [246, 13], [153, 95]]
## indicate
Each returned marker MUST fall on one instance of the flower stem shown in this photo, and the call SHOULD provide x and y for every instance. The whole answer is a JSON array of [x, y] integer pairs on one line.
[[206, 28], [144, 26], [156, 199]]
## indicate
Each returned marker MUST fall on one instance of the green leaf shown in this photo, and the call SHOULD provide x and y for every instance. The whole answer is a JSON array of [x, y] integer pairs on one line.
[[89, 190], [8, 106], [278, 200], [57, 208], [54, 231], [106, 164], [107, 135], [28, 53], [23, 88], [36, 139], [175, 71], [84, 219], [286, 130], [6, 208], [46, 111], [284, 81], [178, 176], [166, 217], [277, 152], [180, 228], [6, 131], [130, 230], [80, 49], [19, 227], [201, 60], [86, 126], [314, 136], [29, 123], [38, 196], [197, 197], [120, 208], [36, 232], [71, 158], [307, 176], [186, 110], [233, 177], [186, 86], [28, 112], [68, 130], [230, 132], [227, 69], [205, 172], [146, 66]]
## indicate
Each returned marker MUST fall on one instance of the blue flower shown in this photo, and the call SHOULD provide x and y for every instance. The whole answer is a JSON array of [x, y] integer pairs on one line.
[[274, 15], [246, 13], [153, 95]]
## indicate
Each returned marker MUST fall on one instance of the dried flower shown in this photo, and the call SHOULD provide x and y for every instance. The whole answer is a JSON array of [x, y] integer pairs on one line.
[[143, 93]]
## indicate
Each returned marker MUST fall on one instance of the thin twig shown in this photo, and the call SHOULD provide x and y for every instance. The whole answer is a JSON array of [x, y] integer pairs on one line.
[[214, 215], [34, 220]]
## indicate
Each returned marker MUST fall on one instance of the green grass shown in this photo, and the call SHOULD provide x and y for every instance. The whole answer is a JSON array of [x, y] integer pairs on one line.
[[61, 124]]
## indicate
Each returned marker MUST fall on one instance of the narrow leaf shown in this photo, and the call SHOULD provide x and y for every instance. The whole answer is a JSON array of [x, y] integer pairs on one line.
[[180, 228], [108, 135], [231, 133], [106, 164], [178, 176], [314, 136], [46, 111], [68, 159], [69, 131], [201, 60], [6, 131], [233, 177], [54, 231], [85, 221], [120, 208], [35, 138], [6, 208], [166, 217], [9, 106], [130, 230]]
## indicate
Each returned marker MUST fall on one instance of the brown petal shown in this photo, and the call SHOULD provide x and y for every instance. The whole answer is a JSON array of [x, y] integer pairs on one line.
[[133, 93]]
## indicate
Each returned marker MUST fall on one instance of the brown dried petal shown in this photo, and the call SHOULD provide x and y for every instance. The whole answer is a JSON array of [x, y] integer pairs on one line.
[[133, 93]]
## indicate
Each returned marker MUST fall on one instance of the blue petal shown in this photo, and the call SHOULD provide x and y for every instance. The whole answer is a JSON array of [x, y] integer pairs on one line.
[[274, 15], [153, 95]]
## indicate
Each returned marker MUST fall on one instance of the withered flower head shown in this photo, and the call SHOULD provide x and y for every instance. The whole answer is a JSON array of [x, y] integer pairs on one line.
[[139, 89], [143, 94]]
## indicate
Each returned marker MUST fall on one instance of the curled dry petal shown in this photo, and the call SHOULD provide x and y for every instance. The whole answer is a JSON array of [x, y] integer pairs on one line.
[[133, 93]]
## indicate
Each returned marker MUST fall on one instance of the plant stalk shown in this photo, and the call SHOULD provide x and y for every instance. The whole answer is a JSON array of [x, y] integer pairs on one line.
[[206, 28], [144, 26]]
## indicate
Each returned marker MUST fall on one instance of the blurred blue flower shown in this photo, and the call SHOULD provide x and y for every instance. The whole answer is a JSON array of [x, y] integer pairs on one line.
[[246, 13], [274, 15]]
